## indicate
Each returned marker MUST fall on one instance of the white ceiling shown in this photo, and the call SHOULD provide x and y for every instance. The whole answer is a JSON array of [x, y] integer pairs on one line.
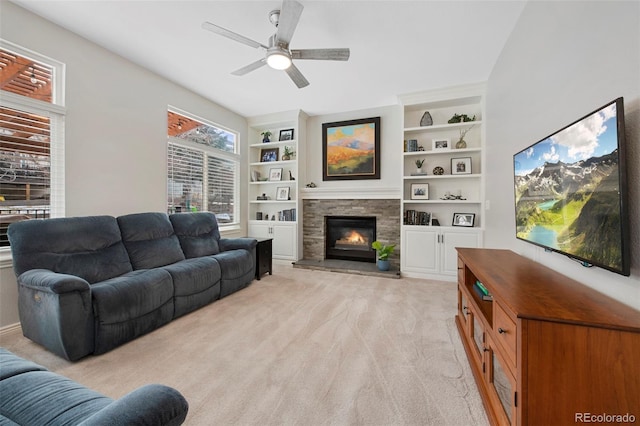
[[396, 46]]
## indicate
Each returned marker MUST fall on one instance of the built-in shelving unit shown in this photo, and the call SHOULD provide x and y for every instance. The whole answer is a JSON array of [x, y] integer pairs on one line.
[[451, 179], [275, 208]]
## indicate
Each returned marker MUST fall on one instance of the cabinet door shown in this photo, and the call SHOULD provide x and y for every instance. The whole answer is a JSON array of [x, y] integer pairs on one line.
[[284, 241], [420, 250], [260, 230], [501, 384], [451, 240]]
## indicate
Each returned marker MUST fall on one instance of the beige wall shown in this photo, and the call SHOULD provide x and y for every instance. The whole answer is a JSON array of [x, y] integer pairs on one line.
[[562, 61], [116, 128]]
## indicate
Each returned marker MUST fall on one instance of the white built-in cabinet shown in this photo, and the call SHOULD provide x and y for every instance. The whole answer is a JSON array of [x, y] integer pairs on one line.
[[274, 205], [431, 250], [450, 181]]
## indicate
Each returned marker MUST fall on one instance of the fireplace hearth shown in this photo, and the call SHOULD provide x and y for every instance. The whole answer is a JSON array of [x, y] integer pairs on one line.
[[350, 238]]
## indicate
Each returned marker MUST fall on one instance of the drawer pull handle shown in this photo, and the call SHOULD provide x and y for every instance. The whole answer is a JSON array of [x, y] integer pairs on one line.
[[466, 310], [502, 330]]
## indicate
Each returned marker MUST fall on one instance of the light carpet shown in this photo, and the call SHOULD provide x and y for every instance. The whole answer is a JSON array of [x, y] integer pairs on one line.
[[300, 347]]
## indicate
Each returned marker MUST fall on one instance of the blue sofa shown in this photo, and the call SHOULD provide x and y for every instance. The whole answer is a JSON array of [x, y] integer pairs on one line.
[[31, 395], [89, 284]]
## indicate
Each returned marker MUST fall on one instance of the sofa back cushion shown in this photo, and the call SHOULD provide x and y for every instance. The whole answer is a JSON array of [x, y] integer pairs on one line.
[[89, 247], [150, 240], [198, 233]]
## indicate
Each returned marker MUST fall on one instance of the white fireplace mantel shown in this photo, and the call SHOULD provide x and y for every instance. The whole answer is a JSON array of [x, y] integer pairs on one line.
[[348, 193]]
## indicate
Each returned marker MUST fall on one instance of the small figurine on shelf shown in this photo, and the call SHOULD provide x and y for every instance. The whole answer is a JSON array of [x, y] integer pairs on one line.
[[291, 176]]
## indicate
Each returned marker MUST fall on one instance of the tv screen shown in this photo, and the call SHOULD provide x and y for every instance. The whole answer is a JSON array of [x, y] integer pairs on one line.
[[571, 191]]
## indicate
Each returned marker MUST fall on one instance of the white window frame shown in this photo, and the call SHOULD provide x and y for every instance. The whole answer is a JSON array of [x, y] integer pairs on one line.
[[214, 152], [56, 112]]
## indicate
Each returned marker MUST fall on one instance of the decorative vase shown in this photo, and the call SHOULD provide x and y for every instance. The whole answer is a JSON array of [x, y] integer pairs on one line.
[[419, 171], [266, 139], [426, 119], [461, 144], [286, 157], [383, 265]]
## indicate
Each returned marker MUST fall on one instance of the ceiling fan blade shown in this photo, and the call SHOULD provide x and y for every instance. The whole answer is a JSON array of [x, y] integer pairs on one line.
[[321, 54], [233, 36], [297, 76], [252, 66], [289, 17]]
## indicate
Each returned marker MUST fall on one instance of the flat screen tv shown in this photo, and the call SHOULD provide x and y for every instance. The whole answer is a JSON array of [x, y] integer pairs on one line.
[[571, 191]]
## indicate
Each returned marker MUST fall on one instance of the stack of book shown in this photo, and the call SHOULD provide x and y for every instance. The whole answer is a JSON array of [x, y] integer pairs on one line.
[[482, 291], [414, 217], [287, 215], [411, 145]]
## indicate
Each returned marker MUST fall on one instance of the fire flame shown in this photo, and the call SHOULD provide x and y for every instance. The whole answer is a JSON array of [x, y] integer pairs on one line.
[[356, 238]]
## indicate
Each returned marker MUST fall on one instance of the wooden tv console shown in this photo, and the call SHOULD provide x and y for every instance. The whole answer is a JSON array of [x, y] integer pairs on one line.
[[546, 350]]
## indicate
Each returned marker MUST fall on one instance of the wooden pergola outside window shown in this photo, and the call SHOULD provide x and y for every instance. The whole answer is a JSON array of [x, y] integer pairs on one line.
[[25, 143]]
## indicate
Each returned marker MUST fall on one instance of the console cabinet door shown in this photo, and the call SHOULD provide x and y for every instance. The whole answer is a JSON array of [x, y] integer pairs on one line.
[[501, 383]]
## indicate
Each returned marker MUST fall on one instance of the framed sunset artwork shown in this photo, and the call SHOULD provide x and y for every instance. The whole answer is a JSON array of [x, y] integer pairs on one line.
[[351, 149]]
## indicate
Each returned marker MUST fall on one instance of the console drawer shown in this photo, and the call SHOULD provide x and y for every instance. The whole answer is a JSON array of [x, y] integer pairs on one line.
[[505, 332]]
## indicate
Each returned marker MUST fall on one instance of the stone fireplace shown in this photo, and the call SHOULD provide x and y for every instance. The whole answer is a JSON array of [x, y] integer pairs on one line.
[[385, 211]]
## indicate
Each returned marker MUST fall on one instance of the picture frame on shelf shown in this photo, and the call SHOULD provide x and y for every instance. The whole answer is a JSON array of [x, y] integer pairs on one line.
[[461, 166], [268, 155], [419, 191], [441, 144], [351, 149], [286, 135], [275, 174], [282, 193], [463, 219]]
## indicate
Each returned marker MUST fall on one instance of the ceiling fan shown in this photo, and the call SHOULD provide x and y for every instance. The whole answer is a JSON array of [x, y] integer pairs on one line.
[[278, 55]]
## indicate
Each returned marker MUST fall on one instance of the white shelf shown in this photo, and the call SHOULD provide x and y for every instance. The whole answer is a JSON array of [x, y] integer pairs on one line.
[[273, 144], [432, 176], [438, 201], [272, 202], [447, 126], [272, 182], [443, 152], [272, 163]]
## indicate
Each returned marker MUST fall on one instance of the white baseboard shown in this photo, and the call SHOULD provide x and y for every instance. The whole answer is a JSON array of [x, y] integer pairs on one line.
[[12, 328]]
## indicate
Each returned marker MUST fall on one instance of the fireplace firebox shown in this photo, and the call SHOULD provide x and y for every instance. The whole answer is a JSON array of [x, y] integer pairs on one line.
[[350, 238]]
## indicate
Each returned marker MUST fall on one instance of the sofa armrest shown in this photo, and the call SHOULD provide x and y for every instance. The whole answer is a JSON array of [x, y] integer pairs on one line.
[[49, 281], [237, 243], [56, 311], [149, 405]]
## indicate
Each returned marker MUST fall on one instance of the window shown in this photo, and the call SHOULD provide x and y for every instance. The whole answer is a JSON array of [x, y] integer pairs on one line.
[[202, 167], [31, 137]]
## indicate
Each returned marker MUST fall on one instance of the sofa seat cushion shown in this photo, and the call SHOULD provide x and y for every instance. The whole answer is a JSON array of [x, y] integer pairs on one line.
[[89, 247], [237, 270], [131, 305], [12, 365], [198, 233], [150, 240], [42, 397], [196, 282]]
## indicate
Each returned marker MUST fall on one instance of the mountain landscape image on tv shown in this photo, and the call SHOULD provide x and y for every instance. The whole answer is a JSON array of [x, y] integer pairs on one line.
[[570, 191]]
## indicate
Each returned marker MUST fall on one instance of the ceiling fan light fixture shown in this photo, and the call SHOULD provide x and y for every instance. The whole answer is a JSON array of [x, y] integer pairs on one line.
[[278, 59]]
